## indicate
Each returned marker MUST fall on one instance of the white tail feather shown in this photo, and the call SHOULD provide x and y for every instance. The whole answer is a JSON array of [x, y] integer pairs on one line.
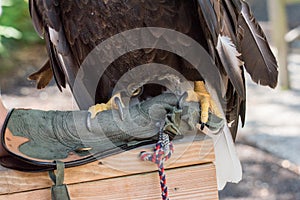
[[227, 163]]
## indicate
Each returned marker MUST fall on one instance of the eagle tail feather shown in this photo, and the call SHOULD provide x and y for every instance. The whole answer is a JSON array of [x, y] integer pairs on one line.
[[228, 166]]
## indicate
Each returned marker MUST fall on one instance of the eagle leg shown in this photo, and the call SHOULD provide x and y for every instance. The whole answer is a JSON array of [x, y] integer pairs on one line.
[[201, 95], [114, 103]]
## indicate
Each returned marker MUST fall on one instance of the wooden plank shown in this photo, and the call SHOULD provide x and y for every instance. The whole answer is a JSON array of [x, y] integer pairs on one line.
[[193, 183], [186, 154]]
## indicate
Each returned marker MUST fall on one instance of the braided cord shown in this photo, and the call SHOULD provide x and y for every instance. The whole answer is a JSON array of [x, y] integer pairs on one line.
[[162, 152]]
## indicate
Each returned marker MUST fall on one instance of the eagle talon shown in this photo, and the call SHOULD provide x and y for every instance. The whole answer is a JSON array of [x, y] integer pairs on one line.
[[119, 104], [88, 122], [202, 126], [182, 99]]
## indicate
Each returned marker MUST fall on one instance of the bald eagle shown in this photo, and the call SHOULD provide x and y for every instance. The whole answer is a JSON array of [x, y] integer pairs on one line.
[[226, 29]]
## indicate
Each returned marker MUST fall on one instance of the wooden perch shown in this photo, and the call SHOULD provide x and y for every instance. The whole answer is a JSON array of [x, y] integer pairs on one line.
[[190, 175]]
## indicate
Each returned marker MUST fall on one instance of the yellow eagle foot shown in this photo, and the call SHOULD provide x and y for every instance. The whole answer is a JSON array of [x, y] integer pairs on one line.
[[201, 95]]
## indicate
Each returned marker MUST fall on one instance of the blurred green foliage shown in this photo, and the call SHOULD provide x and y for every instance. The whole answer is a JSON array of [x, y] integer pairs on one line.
[[15, 26], [16, 32]]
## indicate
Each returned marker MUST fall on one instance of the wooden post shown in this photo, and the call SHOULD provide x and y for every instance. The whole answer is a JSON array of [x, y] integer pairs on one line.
[[292, 1], [190, 175], [277, 12]]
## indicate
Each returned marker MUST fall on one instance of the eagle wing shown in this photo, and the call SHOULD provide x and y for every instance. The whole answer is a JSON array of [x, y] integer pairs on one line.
[[236, 41]]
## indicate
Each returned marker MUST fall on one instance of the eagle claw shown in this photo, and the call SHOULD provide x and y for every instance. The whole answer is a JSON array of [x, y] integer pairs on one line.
[[201, 95], [114, 103]]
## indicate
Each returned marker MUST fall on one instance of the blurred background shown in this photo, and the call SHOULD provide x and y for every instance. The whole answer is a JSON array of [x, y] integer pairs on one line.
[[268, 146]]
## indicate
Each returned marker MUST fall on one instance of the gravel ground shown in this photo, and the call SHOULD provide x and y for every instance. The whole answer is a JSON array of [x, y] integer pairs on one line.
[[265, 177]]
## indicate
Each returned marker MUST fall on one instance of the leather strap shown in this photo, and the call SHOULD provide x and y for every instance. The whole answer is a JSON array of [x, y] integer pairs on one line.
[[59, 190]]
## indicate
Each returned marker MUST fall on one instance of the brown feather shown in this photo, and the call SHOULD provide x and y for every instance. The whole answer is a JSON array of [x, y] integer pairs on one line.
[[256, 53], [43, 76], [208, 16], [59, 75], [36, 18], [229, 57]]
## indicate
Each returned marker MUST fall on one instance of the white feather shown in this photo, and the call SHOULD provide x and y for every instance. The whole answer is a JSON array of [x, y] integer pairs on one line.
[[229, 57], [53, 36], [228, 166], [226, 43]]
